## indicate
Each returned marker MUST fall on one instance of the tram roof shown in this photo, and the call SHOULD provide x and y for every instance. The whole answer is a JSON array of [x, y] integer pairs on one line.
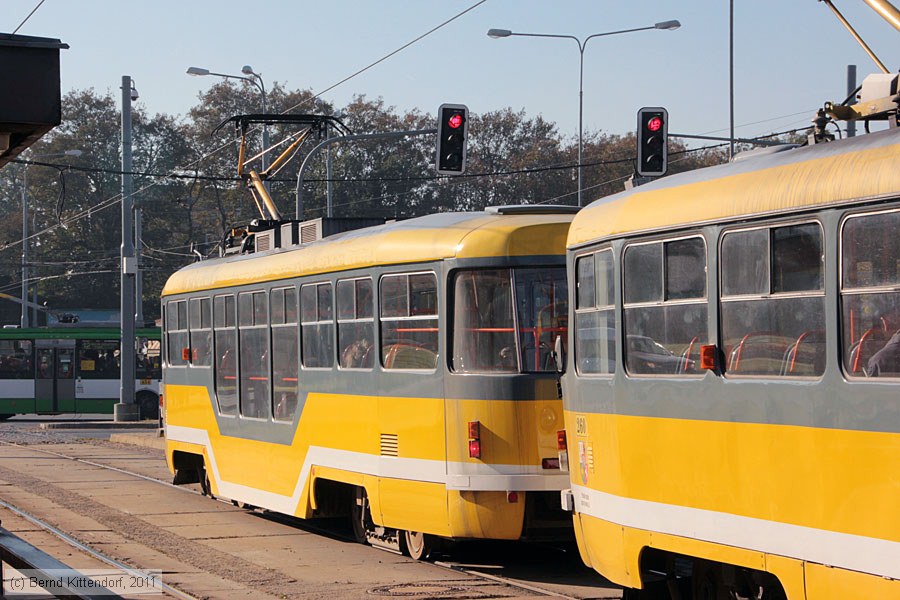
[[434, 237], [853, 169]]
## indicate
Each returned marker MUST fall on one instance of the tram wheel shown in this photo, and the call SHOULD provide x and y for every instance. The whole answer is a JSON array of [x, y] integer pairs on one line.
[[419, 545], [706, 582], [360, 516]]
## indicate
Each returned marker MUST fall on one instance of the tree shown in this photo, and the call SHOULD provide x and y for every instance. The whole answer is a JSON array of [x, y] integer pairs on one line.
[[187, 185]]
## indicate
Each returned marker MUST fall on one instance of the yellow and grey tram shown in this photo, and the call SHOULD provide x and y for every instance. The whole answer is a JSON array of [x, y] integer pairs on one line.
[[400, 374], [732, 390]]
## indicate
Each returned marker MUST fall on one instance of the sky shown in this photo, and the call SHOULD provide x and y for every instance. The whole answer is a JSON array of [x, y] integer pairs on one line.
[[790, 55]]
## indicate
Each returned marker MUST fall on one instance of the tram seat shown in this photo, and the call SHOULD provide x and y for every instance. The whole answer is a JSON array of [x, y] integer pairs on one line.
[[687, 364], [870, 342], [806, 356], [408, 356], [759, 353]]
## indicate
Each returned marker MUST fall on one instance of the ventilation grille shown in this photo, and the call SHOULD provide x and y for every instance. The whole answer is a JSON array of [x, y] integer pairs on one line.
[[264, 241], [309, 233], [389, 444]]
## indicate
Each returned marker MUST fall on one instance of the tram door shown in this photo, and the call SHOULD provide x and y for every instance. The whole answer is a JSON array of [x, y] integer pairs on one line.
[[54, 384]]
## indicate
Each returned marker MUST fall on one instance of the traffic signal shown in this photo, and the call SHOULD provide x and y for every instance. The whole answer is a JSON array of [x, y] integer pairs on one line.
[[453, 126], [652, 141]]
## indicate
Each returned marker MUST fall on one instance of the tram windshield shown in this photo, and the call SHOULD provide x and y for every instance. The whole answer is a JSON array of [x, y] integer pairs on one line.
[[507, 320]]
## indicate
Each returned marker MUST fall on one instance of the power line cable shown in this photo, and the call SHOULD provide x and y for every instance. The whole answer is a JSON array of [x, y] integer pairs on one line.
[[34, 10]]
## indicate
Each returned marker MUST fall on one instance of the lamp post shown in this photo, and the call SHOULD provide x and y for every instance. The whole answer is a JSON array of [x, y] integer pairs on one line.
[[251, 77], [503, 33], [24, 322]]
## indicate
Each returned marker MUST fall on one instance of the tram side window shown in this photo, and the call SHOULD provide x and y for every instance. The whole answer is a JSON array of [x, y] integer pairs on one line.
[[225, 336], [176, 332], [409, 321], [773, 301], [200, 321], [316, 326], [97, 359], [595, 324], [16, 359], [484, 336], [285, 353], [870, 295], [665, 306], [253, 340], [356, 323]]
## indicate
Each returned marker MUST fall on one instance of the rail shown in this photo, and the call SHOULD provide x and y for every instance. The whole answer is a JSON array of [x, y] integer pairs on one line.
[[19, 554]]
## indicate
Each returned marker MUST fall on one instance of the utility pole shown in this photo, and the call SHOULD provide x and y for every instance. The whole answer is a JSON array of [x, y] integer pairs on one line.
[[126, 409], [851, 88]]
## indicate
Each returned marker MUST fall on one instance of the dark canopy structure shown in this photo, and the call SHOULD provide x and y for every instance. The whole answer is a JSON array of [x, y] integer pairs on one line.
[[30, 105]]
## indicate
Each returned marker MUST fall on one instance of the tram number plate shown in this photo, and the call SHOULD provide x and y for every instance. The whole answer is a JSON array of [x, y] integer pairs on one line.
[[580, 425], [145, 382]]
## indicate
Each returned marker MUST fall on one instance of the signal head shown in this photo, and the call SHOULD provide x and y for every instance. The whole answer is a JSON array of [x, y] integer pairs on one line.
[[451, 139]]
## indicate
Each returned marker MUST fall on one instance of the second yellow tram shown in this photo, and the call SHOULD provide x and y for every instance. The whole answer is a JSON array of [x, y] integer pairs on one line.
[[733, 386]]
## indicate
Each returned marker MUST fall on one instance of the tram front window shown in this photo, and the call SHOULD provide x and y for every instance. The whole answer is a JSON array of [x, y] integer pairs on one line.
[[489, 336]]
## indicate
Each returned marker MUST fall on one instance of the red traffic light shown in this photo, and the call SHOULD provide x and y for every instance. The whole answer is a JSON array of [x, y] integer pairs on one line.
[[655, 124], [455, 121]]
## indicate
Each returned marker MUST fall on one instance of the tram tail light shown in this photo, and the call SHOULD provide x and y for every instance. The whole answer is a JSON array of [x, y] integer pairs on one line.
[[708, 354], [562, 446], [474, 439], [512, 497]]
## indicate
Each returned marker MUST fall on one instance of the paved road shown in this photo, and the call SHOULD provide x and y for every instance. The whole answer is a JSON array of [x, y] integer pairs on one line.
[[213, 550]]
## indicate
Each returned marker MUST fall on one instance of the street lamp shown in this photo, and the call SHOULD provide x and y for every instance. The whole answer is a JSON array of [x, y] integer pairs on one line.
[[24, 321], [504, 33], [255, 79]]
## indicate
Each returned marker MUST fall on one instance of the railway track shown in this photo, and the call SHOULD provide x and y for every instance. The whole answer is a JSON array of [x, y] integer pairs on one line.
[[457, 588]]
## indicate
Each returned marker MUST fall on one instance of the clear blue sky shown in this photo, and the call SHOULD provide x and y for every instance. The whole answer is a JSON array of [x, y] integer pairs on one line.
[[790, 55]]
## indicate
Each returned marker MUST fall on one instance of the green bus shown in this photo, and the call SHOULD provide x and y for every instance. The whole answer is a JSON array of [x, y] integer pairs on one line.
[[74, 370]]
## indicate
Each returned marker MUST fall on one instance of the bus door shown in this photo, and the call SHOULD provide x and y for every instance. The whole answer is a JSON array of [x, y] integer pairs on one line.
[[55, 378]]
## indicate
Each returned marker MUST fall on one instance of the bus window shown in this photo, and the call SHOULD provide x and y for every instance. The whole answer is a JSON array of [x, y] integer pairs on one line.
[[147, 361], [409, 321], [356, 324], [285, 356], [253, 326], [773, 301], [595, 324], [16, 359], [316, 326], [200, 321], [665, 306], [870, 300], [226, 348], [98, 359]]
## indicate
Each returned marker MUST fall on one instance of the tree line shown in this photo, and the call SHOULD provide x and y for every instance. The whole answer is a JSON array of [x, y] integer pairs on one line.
[[187, 187]]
